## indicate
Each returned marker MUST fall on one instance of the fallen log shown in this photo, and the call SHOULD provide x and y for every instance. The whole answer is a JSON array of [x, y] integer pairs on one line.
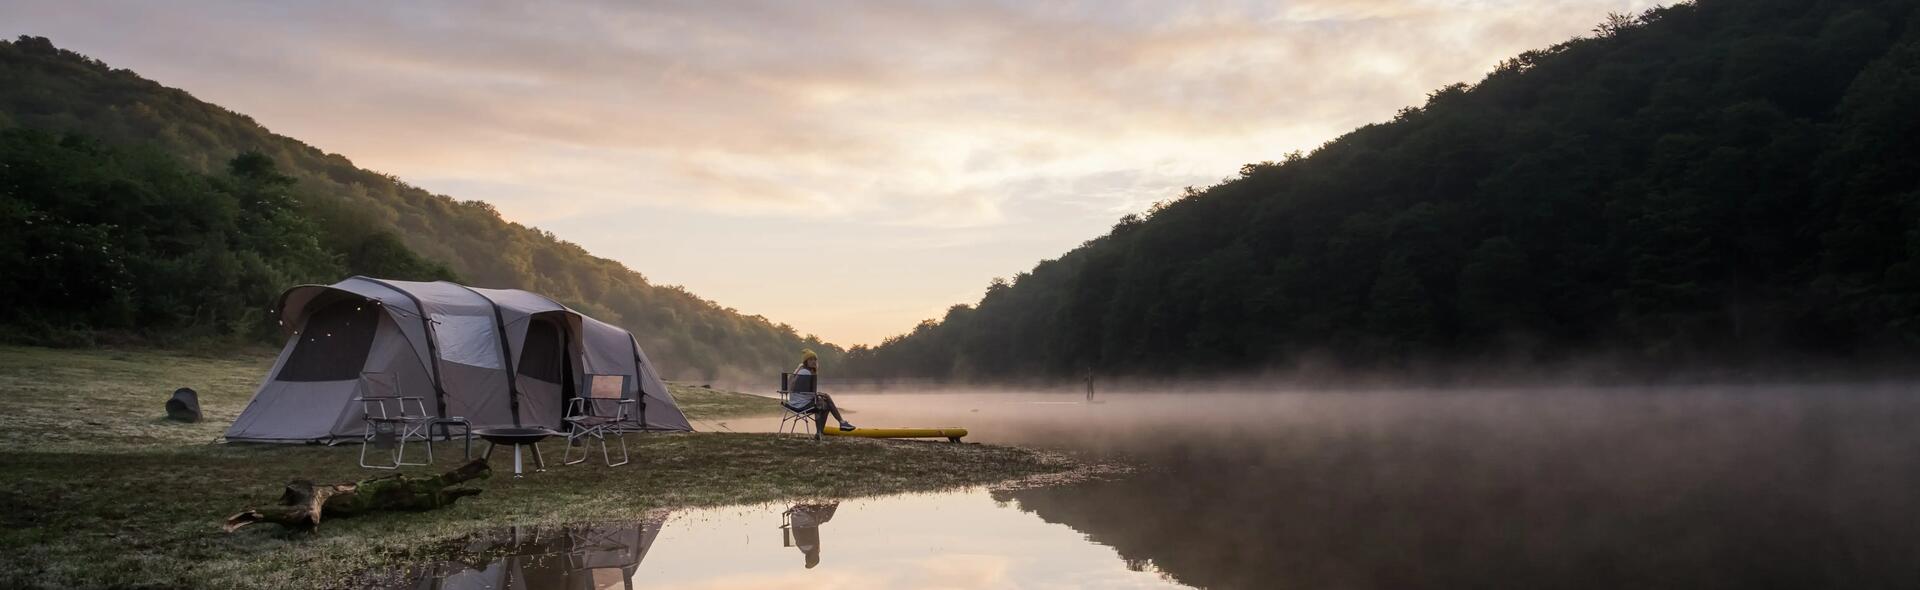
[[303, 503]]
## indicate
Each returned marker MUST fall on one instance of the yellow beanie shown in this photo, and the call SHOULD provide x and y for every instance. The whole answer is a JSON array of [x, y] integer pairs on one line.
[[806, 354]]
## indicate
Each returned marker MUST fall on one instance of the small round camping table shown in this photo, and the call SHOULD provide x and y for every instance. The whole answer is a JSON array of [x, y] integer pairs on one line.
[[518, 437]]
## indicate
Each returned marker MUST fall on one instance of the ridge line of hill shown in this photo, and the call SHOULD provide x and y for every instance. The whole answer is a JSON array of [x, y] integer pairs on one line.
[[362, 222], [1719, 183]]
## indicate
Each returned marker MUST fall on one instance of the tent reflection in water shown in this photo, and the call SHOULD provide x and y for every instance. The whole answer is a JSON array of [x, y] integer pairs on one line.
[[582, 557], [497, 357]]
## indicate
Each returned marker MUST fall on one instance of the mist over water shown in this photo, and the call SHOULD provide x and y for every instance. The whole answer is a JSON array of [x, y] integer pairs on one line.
[[1618, 487]]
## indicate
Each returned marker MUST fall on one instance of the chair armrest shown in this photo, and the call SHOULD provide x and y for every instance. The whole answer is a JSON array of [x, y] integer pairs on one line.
[[369, 402]]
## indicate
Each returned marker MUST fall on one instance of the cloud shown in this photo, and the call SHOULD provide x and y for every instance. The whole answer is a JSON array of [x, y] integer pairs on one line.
[[973, 122]]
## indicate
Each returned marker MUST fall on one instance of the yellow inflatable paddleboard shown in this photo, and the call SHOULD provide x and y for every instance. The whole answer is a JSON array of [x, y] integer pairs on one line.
[[950, 433]]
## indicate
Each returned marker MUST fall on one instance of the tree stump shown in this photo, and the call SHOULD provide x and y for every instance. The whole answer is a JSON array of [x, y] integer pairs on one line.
[[303, 503]]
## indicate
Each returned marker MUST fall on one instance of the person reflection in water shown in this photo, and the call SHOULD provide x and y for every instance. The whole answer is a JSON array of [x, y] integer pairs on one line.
[[803, 528], [806, 397]]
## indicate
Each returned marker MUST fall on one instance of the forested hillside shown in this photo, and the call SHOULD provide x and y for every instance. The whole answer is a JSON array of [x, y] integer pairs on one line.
[[1719, 182], [132, 241], [129, 209]]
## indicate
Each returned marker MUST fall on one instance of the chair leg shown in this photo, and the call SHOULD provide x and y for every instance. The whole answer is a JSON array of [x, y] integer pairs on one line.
[[429, 446], [794, 422], [409, 432], [566, 455], [622, 437], [364, 443], [428, 428]]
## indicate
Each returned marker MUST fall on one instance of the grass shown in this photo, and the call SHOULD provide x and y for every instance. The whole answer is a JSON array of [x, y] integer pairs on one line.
[[706, 403], [99, 491]]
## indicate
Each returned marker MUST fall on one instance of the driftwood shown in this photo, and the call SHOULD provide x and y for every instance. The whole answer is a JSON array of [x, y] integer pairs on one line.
[[303, 503]]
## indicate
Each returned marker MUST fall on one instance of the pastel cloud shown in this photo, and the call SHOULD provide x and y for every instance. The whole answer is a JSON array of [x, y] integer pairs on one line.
[[941, 143]]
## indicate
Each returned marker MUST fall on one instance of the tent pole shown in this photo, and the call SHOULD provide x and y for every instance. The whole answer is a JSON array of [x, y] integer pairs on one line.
[[506, 354], [640, 392]]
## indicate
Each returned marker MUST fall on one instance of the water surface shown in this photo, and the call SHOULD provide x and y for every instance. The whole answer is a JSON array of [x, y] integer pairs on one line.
[[1806, 486], [962, 539], [1572, 488]]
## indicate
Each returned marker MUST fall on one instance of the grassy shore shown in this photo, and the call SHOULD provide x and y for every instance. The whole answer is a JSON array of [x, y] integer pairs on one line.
[[706, 403], [100, 491]]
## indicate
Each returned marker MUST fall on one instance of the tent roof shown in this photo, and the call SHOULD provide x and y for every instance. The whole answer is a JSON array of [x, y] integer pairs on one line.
[[524, 303], [294, 301], [466, 320]]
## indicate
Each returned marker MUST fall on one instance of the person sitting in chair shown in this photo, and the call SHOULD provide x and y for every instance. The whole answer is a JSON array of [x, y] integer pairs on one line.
[[805, 396]]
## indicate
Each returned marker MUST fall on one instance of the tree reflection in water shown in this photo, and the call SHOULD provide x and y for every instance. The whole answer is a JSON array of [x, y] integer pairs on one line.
[[1765, 487]]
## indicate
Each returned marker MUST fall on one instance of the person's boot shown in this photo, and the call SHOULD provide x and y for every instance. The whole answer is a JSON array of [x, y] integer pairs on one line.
[[846, 426]]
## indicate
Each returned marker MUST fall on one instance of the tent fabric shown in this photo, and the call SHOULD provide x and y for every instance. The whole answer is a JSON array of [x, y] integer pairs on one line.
[[613, 351], [465, 351], [539, 386], [304, 411]]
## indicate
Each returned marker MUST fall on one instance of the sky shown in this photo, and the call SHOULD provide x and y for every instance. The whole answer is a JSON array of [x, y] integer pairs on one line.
[[847, 168]]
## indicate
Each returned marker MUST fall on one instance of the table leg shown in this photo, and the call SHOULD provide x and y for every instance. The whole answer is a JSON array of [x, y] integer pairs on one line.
[[537, 459], [516, 461]]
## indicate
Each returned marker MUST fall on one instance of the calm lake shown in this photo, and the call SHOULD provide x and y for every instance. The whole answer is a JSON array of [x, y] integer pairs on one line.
[[1809, 486]]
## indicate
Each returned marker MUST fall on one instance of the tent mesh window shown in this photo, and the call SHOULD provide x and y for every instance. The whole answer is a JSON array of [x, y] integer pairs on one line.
[[333, 345], [544, 355]]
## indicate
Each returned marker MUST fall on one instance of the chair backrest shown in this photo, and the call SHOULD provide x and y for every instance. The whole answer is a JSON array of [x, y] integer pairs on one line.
[[603, 396], [804, 383], [606, 386], [381, 396], [785, 380], [376, 384]]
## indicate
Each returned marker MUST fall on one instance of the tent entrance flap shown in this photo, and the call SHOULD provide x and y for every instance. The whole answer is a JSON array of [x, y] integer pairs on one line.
[[545, 355], [546, 370]]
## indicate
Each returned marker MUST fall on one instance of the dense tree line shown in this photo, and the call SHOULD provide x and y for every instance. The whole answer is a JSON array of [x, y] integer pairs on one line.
[[363, 221], [132, 241], [1718, 182]]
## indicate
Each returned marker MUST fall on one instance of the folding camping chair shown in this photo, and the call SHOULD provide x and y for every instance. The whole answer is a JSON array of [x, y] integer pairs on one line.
[[791, 418], [597, 414], [392, 418], [786, 528]]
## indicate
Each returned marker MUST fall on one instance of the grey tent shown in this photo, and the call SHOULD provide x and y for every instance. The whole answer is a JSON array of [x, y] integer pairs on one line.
[[497, 357]]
